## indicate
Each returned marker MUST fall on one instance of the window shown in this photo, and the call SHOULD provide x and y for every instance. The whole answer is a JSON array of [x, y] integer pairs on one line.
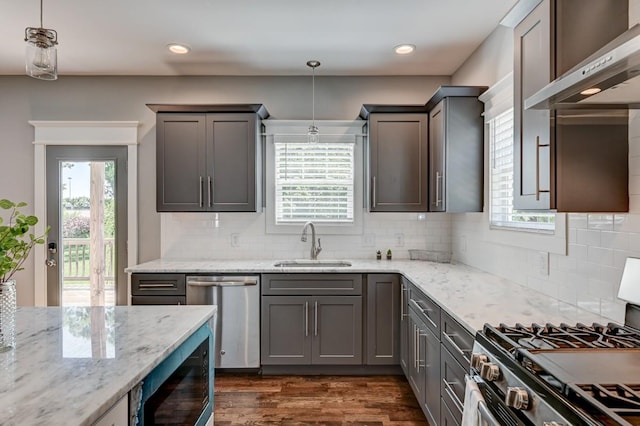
[[320, 182], [501, 209], [314, 181]]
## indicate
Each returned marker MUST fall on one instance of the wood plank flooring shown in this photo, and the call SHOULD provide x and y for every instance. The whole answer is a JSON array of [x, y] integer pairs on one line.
[[320, 400]]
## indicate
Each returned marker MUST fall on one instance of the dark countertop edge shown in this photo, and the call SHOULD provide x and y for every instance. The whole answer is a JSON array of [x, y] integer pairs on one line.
[[258, 109]]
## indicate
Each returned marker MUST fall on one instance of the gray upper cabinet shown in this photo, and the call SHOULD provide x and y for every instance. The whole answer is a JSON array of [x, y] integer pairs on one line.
[[456, 150], [569, 160], [383, 319], [208, 158], [397, 168]]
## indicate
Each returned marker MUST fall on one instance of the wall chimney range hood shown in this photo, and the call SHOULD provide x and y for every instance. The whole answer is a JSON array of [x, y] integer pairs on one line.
[[611, 75]]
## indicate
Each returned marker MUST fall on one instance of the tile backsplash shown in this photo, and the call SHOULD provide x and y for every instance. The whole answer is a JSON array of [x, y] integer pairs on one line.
[[244, 236]]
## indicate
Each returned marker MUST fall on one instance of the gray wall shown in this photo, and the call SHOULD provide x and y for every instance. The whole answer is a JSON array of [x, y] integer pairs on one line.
[[124, 98]]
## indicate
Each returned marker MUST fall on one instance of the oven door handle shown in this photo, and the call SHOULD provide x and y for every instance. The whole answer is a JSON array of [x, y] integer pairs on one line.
[[220, 282], [486, 418]]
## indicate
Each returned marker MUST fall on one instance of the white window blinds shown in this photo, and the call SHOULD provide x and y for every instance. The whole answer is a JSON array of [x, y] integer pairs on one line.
[[314, 181], [501, 184]]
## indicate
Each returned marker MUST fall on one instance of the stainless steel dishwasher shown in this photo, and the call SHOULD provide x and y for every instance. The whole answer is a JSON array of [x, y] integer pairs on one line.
[[237, 331]]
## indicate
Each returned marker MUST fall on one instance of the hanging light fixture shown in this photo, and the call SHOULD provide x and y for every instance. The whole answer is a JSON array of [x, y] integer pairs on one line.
[[42, 56], [313, 136]]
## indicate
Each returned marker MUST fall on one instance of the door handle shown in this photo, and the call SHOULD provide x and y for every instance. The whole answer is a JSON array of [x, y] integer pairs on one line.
[[52, 249], [315, 319], [209, 189], [438, 182], [538, 146], [374, 192], [200, 192], [306, 319]]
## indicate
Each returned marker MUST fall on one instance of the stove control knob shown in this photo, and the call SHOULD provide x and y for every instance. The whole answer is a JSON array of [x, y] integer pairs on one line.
[[552, 424], [477, 360], [517, 398], [489, 371]]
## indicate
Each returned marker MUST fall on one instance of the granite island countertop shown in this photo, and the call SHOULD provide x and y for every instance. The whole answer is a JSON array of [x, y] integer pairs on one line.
[[471, 296], [70, 365]]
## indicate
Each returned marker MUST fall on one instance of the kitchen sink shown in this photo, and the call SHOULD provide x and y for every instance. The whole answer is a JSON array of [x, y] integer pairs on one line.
[[307, 263]]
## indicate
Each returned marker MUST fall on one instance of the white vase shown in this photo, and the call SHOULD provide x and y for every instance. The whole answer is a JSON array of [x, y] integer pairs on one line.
[[7, 315]]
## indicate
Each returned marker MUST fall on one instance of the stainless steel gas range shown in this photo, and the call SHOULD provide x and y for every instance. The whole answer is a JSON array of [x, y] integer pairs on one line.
[[556, 375]]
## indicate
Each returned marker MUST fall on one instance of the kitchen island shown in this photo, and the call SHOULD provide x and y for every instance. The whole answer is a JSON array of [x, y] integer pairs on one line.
[[71, 365]]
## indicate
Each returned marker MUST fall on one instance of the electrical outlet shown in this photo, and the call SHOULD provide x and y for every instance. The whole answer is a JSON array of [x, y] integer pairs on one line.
[[399, 240], [543, 262], [422, 216], [235, 240], [368, 240]]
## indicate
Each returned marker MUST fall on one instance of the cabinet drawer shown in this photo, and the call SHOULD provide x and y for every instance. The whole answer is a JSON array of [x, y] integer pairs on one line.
[[453, 383], [158, 285], [312, 284], [447, 418], [456, 339], [431, 311], [158, 300]]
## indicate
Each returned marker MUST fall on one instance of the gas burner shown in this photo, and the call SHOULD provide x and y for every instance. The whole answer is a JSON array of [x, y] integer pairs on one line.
[[564, 336]]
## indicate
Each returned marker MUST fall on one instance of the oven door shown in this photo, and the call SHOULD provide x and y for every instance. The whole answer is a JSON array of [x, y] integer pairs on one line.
[[179, 391], [491, 409]]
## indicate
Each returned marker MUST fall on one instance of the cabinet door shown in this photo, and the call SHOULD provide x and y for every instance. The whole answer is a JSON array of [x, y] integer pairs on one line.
[[337, 330], [383, 319], [532, 134], [398, 162], [180, 162], [437, 157], [453, 383], [415, 375], [404, 326], [231, 162], [430, 362], [286, 330]]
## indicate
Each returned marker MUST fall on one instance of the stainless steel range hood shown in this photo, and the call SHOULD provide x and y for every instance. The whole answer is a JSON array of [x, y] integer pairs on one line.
[[614, 70]]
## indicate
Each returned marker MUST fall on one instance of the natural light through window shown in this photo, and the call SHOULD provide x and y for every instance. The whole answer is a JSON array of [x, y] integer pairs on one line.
[[314, 181], [501, 181]]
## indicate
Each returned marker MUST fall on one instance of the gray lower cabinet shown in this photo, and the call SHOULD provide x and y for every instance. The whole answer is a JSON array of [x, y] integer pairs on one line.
[[158, 289], [404, 325], [456, 150], [304, 324], [424, 353], [383, 319], [311, 330], [208, 159]]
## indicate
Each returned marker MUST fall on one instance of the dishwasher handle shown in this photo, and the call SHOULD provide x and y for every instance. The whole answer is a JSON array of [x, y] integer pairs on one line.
[[216, 281]]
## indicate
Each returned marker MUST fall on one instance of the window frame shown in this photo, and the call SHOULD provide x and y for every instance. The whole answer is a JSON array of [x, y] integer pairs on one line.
[[273, 128], [498, 99]]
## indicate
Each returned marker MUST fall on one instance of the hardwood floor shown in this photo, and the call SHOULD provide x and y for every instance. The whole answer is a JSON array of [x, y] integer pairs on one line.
[[325, 400]]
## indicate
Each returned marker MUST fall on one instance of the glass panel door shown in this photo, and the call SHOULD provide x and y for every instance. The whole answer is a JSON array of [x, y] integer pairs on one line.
[[83, 211]]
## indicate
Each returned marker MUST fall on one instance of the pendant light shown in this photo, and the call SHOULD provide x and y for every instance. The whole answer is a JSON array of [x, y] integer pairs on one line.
[[41, 55], [313, 135]]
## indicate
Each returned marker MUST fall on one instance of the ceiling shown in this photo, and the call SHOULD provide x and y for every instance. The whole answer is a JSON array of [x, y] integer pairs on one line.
[[252, 37]]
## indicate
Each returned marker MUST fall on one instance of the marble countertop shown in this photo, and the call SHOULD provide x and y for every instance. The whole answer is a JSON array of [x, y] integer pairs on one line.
[[471, 296], [70, 365]]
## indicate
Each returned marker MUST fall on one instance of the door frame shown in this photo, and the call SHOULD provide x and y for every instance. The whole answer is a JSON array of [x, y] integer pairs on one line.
[[82, 133]]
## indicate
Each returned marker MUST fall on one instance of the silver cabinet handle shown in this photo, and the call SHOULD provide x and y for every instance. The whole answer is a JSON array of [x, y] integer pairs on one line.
[[438, 181], [449, 338], [306, 319], [416, 347], [374, 192], [315, 319], [209, 190], [220, 283], [403, 290], [538, 146], [420, 361], [158, 285], [425, 311], [200, 193], [452, 394]]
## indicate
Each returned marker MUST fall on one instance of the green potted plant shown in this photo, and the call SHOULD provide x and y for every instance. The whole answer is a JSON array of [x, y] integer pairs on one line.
[[16, 243]]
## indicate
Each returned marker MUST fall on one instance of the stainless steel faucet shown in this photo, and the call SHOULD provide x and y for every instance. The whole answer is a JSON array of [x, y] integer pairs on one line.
[[315, 250]]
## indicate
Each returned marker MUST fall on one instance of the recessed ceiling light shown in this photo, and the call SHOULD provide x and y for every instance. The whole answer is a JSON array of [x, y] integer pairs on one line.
[[404, 49], [591, 91], [179, 49]]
